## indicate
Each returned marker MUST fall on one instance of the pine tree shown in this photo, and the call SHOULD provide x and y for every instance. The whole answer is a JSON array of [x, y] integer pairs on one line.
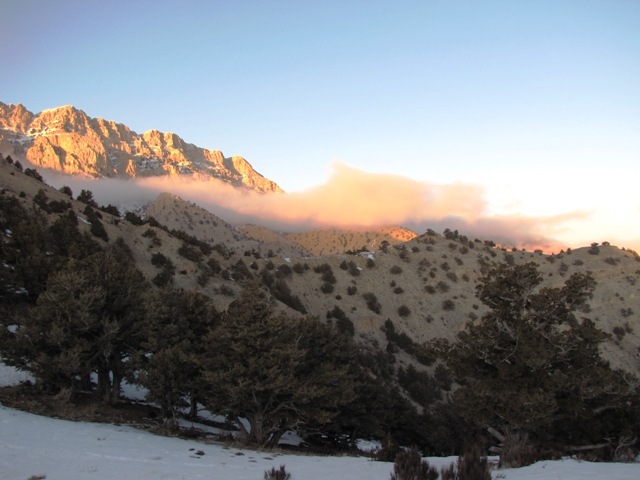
[[531, 365], [178, 322], [275, 371]]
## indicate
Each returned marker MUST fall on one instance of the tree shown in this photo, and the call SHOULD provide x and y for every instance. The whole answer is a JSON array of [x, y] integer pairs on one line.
[[530, 365], [273, 371], [86, 196], [178, 322], [66, 190], [120, 316], [56, 341], [87, 320]]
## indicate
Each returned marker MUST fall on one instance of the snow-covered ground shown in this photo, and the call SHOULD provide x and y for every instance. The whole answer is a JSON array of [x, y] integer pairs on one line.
[[33, 445]]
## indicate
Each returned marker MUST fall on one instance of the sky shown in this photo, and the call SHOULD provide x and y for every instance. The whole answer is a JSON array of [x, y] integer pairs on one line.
[[529, 108]]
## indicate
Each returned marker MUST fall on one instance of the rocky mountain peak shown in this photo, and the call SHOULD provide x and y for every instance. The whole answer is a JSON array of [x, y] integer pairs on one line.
[[14, 117], [66, 139]]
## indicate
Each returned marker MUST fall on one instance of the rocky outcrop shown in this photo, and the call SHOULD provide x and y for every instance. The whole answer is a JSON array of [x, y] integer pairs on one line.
[[68, 140]]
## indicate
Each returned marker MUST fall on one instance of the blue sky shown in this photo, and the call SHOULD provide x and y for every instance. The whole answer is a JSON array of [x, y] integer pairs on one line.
[[536, 101]]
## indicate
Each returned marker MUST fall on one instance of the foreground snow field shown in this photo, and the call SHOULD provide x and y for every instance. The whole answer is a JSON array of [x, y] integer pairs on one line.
[[33, 445]]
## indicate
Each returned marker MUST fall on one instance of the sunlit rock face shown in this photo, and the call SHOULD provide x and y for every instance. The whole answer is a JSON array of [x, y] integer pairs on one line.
[[67, 140]]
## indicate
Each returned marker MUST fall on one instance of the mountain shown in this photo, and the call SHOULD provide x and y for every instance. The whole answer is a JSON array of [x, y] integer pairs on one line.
[[426, 285], [391, 298], [67, 140], [178, 214], [334, 241]]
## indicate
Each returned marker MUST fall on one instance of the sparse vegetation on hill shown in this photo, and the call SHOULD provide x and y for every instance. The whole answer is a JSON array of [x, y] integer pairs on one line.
[[546, 348]]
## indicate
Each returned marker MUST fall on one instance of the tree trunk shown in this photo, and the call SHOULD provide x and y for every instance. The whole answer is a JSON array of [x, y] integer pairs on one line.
[[256, 435], [193, 405], [104, 384], [85, 382], [115, 386], [274, 439]]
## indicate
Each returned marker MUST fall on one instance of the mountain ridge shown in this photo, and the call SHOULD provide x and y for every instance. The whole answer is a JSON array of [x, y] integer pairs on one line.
[[67, 140]]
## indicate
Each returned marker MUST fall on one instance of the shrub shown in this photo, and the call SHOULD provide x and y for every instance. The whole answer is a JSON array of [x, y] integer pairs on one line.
[[189, 252], [159, 260], [240, 270], [133, 218], [343, 324], [281, 291], [619, 332], [226, 290], [448, 305], [42, 200], [300, 268], [32, 172], [327, 273], [421, 387], [517, 451], [97, 229], [626, 312], [404, 311], [388, 452], [165, 277], [352, 290], [149, 233], [111, 209], [222, 250], [326, 287], [283, 271], [396, 270], [372, 302], [442, 377], [86, 196], [57, 206], [279, 474], [471, 466], [353, 269], [409, 465]]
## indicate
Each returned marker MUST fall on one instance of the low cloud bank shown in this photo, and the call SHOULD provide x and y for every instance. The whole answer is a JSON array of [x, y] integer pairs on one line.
[[350, 198]]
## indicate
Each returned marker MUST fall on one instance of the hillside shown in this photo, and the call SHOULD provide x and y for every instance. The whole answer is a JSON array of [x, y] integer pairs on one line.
[[392, 300], [432, 276], [332, 241], [67, 140]]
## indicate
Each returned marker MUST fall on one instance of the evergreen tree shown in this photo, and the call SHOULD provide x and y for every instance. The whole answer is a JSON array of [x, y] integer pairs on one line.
[[275, 371], [87, 320], [530, 365], [121, 315], [178, 322]]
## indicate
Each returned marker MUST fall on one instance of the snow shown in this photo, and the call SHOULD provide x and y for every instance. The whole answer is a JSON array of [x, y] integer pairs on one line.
[[33, 445]]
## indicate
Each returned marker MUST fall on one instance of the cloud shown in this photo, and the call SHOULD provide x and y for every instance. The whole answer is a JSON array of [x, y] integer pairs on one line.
[[351, 198]]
